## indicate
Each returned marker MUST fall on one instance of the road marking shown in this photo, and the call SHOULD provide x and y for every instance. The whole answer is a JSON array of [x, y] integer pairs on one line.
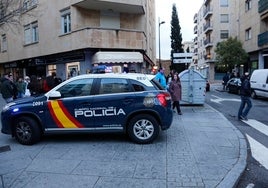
[[258, 151], [257, 125], [219, 99]]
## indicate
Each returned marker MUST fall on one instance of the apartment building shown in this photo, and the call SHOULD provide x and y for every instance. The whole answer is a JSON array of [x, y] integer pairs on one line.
[[219, 19], [253, 32], [214, 22], [70, 36]]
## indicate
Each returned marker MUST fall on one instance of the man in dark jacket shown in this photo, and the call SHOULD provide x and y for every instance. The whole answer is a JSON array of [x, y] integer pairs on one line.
[[245, 92], [7, 88]]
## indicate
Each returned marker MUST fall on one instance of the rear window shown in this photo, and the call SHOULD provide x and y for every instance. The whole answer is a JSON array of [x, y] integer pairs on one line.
[[139, 86], [156, 84]]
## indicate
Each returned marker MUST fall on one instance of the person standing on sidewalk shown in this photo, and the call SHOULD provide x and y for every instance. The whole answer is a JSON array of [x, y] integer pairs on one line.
[[160, 76], [245, 92], [175, 92], [225, 79], [7, 88]]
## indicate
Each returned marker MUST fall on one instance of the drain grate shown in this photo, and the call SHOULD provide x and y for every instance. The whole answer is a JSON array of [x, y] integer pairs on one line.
[[4, 148]]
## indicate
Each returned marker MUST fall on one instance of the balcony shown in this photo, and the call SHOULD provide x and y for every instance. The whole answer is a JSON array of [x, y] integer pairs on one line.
[[208, 43], [263, 6], [207, 12], [263, 39], [195, 29], [124, 6], [207, 27], [102, 38], [195, 18], [206, 2]]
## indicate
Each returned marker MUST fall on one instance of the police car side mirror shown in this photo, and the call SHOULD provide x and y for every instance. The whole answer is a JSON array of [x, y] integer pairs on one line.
[[54, 95]]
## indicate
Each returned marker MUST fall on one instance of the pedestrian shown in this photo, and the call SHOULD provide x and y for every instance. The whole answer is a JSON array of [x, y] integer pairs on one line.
[[160, 76], [245, 92], [225, 79], [175, 92], [33, 85], [7, 88], [21, 86]]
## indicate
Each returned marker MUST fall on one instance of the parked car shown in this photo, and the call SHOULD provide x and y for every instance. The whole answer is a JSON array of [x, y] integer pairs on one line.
[[259, 83], [129, 103], [233, 85]]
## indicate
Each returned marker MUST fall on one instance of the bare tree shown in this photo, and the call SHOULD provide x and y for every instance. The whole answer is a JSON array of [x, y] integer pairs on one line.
[[12, 10]]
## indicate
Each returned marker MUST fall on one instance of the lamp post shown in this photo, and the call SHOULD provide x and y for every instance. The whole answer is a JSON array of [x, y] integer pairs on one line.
[[159, 24]]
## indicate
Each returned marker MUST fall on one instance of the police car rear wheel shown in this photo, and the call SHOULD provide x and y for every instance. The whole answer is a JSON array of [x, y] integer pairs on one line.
[[143, 129], [27, 131]]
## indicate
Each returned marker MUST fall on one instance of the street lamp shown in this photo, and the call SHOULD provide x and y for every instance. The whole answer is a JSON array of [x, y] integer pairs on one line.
[[159, 24]]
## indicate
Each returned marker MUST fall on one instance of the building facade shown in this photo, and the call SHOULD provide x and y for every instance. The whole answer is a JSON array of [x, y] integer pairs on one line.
[[70, 36], [218, 20]]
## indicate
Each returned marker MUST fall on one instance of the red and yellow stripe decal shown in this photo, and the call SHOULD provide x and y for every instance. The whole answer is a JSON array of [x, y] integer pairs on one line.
[[61, 116]]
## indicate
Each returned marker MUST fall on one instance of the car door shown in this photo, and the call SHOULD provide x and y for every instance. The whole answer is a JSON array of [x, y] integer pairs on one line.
[[113, 103], [72, 110]]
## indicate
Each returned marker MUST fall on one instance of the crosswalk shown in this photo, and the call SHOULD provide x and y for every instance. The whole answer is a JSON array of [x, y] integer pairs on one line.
[[258, 150]]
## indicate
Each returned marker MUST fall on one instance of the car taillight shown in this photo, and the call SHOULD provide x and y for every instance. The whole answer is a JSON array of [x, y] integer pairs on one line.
[[163, 98]]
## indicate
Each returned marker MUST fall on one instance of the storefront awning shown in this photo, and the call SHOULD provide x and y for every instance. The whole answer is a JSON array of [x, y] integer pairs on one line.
[[117, 57]]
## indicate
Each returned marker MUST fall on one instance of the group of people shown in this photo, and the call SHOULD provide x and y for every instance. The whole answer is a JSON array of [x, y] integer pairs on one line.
[[173, 84], [27, 86]]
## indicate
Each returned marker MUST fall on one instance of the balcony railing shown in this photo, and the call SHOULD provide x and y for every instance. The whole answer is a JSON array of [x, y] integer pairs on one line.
[[207, 12], [263, 5], [263, 39], [207, 27]]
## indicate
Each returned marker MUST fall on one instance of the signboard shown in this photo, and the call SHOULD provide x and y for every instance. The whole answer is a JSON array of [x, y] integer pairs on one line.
[[182, 61]]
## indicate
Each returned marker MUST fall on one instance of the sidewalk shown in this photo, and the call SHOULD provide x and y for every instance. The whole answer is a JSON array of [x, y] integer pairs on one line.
[[201, 149]]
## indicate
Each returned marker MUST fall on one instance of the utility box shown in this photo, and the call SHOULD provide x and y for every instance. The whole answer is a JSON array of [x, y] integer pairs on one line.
[[193, 87]]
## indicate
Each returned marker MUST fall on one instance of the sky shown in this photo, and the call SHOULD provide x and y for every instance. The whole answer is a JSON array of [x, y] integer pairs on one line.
[[186, 10]]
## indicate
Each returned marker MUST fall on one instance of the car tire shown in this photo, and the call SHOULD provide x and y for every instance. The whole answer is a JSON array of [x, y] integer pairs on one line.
[[253, 94], [27, 131], [143, 129]]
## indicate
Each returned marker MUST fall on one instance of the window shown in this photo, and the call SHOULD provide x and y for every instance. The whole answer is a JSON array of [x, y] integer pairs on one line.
[[76, 88], [31, 34], [109, 19], [248, 5], [113, 85], [248, 34], [4, 43], [224, 34], [224, 18], [28, 4], [224, 3], [65, 21]]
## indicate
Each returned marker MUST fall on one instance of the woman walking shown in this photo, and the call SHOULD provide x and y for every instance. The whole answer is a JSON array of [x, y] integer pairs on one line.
[[175, 91]]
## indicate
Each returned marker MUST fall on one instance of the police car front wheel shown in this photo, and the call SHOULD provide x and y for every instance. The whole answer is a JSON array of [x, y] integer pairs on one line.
[[143, 129], [27, 131]]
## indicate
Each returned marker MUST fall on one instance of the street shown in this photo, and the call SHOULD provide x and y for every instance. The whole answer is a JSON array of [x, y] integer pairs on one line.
[[255, 131]]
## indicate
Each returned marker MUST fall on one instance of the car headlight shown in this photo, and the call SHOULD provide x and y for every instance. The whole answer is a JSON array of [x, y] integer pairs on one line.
[[7, 106]]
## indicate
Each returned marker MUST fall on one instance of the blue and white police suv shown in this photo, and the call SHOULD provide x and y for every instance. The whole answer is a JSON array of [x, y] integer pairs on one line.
[[129, 103]]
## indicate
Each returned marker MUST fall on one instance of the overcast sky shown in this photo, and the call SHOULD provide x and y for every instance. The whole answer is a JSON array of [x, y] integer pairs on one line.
[[186, 10]]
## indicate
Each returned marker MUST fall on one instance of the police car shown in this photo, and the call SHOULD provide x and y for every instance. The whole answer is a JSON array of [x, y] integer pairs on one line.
[[130, 103]]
